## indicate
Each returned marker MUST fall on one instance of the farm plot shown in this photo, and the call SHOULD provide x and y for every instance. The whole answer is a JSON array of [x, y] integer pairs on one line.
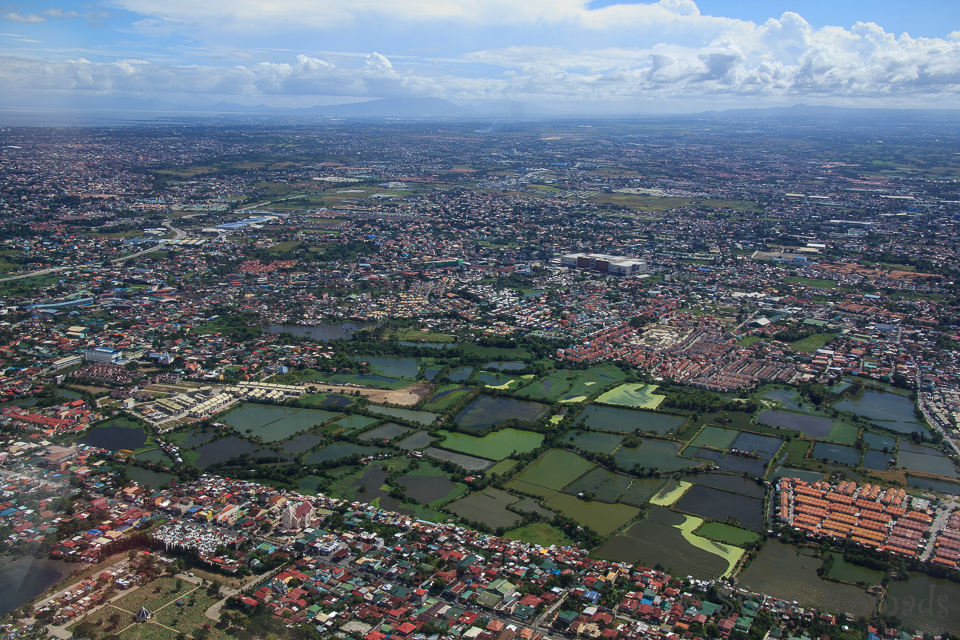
[[593, 440], [489, 507], [715, 438], [555, 469], [601, 517], [715, 504], [599, 484], [495, 446]]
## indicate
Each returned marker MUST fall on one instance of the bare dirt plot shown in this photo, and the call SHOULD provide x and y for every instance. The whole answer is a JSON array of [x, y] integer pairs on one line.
[[406, 397]]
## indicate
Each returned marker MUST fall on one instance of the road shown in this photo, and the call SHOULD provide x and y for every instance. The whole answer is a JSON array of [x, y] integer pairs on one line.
[[930, 419], [34, 273], [179, 234], [939, 522]]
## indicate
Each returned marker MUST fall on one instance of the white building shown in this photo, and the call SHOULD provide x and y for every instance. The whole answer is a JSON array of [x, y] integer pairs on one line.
[[614, 265]]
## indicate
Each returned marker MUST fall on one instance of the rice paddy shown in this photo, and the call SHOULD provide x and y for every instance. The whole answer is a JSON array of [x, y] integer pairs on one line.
[[495, 446], [555, 469]]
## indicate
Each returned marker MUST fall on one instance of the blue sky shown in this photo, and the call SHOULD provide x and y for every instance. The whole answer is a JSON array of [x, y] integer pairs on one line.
[[578, 55]]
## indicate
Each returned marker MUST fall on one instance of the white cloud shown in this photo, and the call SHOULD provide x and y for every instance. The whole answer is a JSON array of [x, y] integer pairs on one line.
[[19, 17]]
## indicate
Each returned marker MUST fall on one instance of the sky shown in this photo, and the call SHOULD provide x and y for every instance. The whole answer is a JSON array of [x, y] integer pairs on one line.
[[565, 55]]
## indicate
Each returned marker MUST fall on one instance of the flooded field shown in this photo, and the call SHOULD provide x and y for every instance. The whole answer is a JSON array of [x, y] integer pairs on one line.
[[928, 604], [641, 490], [231, 447], [354, 422], [460, 374], [420, 417], [630, 420], [555, 469], [836, 453], [502, 467], [495, 446], [715, 438], [736, 484], [657, 540], [592, 440], [780, 572], [195, 437], [392, 366], [325, 333], [274, 423], [156, 456], [419, 440], [488, 507], [601, 517], [469, 463], [388, 431], [26, 578], [529, 505], [787, 399], [599, 483], [114, 438], [726, 533], [653, 454], [934, 462], [715, 504], [337, 451], [367, 488], [934, 485], [763, 446], [813, 426], [887, 410], [740, 464], [487, 411], [301, 443], [847, 572], [505, 366], [786, 472]]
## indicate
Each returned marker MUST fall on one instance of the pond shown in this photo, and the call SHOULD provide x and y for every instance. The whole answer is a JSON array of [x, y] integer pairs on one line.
[[848, 572], [336, 400], [877, 460], [600, 483], [274, 423], [495, 380], [488, 507], [505, 366], [629, 420], [26, 578], [393, 366], [487, 411], [337, 451], [813, 426], [800, 474], [354, 422], [941, 486], [196, 437], [787, 399], [930, 605], [708, 502], [146, 477], [460, 374], [156, 456], [114, 438], [419, 440], [843, 454], [781, 572], [657, 540], [653, 454], [592, 440], [706, 454], [388, 431], [426, 490], [928, 463], [640, 490], [444, 394], [879, 442], [741, 464], [763, 446], [430, 345], [431, 373], [887, 410], [368, 488], [420, 417], [325, 333]]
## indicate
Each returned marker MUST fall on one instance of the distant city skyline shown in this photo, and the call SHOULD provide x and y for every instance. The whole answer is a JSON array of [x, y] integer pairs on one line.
[[558, 55]]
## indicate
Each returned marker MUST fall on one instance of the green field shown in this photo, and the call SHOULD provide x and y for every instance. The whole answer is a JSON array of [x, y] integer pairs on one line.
[[555, 469], [843, 433], [451, 394], [713, 437], [380, 382], [531, 489], [638, 396], [502, 467], [539, 533], [602, 517], [552, 387], [811, 343], [495, 446], [592, 380], [726, 533]]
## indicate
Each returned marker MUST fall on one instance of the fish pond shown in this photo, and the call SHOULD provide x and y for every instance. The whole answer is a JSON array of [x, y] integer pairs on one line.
[[602, 517], [353, 422], [887, 410], [849, 572], [487, 411], [715, 438], [599, 484], [934, 462], [146, 477], [742, 464], [653, 454], [388, 431], [839, 453], [427, 489], [231, 447], [714, 504], [763, 446], [629, 420], [930, 605], [325, 333], [787, 399], [489, 507], [273, 423], [555, 469], [879, 442], [950, 488], [420, 417], [495, 446], [460, 374], [813, 426], [877, 460], [301, 443], [593, 440], [505, 366], [727, 482], [337, 451], [392, 366], [470, 463], [419, 440]]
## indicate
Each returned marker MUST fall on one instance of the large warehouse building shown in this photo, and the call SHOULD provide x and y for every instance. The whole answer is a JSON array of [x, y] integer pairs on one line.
[[615, 265]]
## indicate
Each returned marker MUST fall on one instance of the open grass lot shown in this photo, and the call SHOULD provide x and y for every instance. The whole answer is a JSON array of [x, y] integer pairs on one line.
[[601, 517], [417, 335], [539, 533], [796, 453], [592, 380], [502, 467], [494, 446], [555, 469], [551, 387], [637, 396], [726, 533], [843, 433], [812, 282], [380, 382], [814, 342], [495, 353]]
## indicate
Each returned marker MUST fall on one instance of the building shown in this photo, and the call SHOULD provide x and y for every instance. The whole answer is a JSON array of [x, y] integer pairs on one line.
[[614, 265], [297, 515], [65, 362], [103, 355]]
